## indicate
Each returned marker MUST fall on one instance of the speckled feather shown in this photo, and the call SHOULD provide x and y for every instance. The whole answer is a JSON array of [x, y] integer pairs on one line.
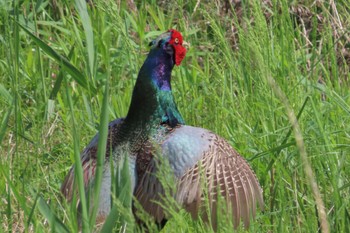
[[193, 154]]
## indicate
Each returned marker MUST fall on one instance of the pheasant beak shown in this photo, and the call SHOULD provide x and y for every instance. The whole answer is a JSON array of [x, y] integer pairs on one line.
[[186, 44]]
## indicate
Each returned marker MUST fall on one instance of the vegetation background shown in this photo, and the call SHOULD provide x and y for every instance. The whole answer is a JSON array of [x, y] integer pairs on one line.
[[251, 71]]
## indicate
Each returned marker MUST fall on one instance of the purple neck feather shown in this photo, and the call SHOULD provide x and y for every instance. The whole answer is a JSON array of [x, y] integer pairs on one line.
[[161, 77]]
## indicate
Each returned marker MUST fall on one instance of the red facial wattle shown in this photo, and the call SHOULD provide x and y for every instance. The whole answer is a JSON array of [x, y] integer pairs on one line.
[[176, 41]]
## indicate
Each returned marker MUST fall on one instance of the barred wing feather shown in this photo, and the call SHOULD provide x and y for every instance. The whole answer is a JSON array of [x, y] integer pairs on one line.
[[193, 154]]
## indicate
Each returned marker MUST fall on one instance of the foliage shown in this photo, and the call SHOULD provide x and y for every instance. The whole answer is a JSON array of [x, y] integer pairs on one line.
[[67, 67]]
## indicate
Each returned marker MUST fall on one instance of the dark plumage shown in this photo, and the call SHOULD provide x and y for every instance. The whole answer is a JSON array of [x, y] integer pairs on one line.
[[154, 131], [152, 104]]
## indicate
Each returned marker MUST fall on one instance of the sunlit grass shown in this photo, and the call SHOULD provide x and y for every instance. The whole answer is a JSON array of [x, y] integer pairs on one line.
[[66, 70]]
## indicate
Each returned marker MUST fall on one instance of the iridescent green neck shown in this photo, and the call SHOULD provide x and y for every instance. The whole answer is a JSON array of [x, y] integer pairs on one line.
[[152, 101]]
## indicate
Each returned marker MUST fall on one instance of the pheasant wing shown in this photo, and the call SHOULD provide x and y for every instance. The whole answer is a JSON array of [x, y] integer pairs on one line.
[[225, 173], [88, 160], [196, 155]]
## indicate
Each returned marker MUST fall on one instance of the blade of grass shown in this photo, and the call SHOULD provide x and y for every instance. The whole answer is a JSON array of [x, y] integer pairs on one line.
[[40, 57], [12, 190], [49, 214], [4, 122], [69, 67], [111, 220], [322, 214], [6, 94], [121, 208], [79, 174], [277, 152], [101, 152], [59, 79], [85, 20], [31, 215]]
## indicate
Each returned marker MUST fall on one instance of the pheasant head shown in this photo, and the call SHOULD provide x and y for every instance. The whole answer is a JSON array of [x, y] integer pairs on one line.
[[172, 43], [166, 51]]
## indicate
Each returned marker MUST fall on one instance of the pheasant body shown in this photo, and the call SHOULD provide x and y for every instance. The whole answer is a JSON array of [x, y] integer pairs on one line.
[[153, 132], [152, 104]]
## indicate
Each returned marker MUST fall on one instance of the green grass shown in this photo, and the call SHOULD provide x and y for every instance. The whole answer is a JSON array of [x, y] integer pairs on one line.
[[66, 70]]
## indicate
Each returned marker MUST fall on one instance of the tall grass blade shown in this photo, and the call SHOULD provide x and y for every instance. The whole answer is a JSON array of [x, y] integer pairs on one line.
[[111, 220], [4, 122], [49, 214], [121, 213], [5, 94], [13, 191], [321, 210], [85, 20], [59, 79], [101, 152], [69, 67], [280, 148], [79, 173]]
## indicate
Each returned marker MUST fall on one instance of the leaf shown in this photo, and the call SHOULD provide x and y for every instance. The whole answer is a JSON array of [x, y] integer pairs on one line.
[[54, 222], [4, 122], [121, 212], [101, 153], [6, 94], [69, 67], [59, 79], [78, 168], [85, 19]]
